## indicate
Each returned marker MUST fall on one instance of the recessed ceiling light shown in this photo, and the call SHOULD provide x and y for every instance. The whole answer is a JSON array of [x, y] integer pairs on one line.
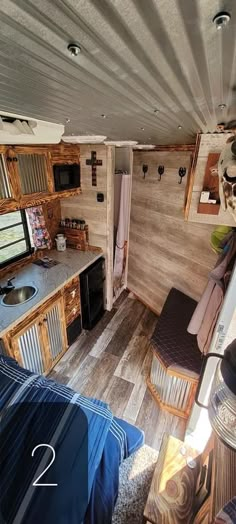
[[179, 127], [142, 128], [74, 49], [222, 106], [103, 116], [67, 120], [156, 110], [221, 19]]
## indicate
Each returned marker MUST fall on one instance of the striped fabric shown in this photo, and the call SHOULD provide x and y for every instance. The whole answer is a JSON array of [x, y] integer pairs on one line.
[[21, 389]]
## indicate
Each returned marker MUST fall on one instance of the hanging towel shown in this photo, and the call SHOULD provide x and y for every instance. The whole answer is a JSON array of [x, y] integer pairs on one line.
[[122, 233], [207, 311], [41, 236]]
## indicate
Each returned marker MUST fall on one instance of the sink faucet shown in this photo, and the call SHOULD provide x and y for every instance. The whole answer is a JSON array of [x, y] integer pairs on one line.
[[9, 287]]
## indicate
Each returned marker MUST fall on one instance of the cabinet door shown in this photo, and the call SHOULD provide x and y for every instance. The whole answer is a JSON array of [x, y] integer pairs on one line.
[[41, 342], [54, 332], [34, 171], [9, 186], [27, 347]]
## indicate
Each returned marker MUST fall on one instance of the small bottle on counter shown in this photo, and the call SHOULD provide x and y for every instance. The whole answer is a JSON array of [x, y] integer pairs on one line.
[[82, 225], [74, 223], [78, 223], [67, 221]]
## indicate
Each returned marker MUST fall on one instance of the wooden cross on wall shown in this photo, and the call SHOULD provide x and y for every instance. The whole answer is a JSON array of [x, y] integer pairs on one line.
[[93, 162]]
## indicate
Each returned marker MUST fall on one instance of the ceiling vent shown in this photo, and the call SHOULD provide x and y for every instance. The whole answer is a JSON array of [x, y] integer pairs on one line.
[[16, 129]]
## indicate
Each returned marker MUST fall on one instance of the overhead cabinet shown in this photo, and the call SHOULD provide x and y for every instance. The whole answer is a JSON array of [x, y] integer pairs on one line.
[[26, 174]]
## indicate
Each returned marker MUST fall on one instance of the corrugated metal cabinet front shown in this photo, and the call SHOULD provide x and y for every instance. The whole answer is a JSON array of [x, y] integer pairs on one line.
[[39, 344]]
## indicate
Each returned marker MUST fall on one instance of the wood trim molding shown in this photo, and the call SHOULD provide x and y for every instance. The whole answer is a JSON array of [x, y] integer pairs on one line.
[[174, 147], [163, 405], [189, 190], [109, 226]]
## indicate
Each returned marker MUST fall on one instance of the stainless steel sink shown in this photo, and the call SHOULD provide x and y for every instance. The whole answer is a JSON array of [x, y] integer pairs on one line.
[[19, 295]]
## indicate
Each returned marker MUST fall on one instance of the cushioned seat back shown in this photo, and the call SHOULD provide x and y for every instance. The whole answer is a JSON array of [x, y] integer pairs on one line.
[[171, 341]]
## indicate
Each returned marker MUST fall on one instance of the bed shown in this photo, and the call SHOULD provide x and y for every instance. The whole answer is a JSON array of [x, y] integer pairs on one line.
[[59, 451]]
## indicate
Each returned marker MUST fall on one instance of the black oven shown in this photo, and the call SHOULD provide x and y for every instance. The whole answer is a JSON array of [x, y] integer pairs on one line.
[[66, 176]]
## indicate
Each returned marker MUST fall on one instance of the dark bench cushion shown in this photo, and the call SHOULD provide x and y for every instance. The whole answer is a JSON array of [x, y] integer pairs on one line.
[[176, 347]]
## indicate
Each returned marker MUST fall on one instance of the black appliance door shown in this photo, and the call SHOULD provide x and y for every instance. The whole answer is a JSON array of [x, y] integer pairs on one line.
[[66, 176], [91, 287]]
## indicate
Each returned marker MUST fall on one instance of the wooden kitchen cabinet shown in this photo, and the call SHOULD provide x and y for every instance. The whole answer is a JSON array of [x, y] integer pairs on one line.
[[72, 300], [26, 175], [39, 342], [9, 189]]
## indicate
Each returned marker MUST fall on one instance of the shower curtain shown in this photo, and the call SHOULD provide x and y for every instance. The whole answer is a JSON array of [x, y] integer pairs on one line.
[[122, 234]]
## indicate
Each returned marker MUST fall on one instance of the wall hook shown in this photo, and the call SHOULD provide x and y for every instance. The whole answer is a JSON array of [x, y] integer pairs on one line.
[[145, 170], [182, 173], [160, 170]]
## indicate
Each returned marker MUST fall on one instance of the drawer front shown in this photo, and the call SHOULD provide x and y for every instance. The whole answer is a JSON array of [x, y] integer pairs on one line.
[[72, 300], [71, 315]]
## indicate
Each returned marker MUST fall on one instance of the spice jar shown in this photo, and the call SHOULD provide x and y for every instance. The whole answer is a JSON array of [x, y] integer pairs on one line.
[[82, 225]]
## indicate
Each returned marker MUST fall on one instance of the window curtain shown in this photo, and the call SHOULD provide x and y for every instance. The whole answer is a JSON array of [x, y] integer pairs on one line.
[[40, 234], [122, 234]]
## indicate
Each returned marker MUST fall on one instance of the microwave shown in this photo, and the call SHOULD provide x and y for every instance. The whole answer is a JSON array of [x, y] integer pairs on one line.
[[66, 176]]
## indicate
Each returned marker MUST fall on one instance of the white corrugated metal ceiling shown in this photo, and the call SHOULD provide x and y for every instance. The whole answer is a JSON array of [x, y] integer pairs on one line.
[[136, 56]]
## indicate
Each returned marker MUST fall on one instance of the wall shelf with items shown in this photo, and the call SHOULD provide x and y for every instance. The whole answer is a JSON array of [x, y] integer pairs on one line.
[[209, 203], [207, 151]]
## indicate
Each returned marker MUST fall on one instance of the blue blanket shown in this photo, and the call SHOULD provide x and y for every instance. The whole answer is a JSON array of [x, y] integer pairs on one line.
[[59, 451]]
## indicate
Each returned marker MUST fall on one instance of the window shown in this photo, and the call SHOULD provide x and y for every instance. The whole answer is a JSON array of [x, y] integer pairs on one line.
[[14, 237]]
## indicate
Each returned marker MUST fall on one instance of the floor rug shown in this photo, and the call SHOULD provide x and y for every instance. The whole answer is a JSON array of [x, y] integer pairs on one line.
[[135, 479]]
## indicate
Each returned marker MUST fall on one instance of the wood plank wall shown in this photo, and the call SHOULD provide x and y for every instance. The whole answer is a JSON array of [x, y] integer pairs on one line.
[[85, 205], [165, 251], [209, 143], [98, 215]]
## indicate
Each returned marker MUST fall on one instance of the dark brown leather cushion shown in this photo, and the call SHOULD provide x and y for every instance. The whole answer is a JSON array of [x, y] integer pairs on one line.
[[170, 338]]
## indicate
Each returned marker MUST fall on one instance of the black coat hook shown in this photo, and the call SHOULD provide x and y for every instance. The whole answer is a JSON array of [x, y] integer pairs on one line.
[[160, 170], [145, 170], [182, 173]]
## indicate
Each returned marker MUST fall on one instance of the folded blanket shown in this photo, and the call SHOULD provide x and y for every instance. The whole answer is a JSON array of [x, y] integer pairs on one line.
[[62, 483]]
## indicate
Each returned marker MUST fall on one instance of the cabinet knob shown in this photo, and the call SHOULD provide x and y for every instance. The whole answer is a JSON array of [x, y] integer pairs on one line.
[[45, 319]]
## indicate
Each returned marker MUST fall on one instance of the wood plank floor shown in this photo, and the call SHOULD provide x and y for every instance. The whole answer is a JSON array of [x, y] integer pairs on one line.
[[111, 363]]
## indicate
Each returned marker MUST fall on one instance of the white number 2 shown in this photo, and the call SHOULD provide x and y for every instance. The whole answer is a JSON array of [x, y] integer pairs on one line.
[[35, 483]]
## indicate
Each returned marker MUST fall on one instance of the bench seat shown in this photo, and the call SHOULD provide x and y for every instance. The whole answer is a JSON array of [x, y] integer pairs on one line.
[[176, 362]]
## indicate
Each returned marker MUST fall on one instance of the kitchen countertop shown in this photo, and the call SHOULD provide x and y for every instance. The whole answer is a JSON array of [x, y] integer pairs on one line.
[[47, 281]]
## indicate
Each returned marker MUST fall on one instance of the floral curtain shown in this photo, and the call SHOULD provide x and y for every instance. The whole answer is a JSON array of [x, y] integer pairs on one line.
[[41, 236]]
